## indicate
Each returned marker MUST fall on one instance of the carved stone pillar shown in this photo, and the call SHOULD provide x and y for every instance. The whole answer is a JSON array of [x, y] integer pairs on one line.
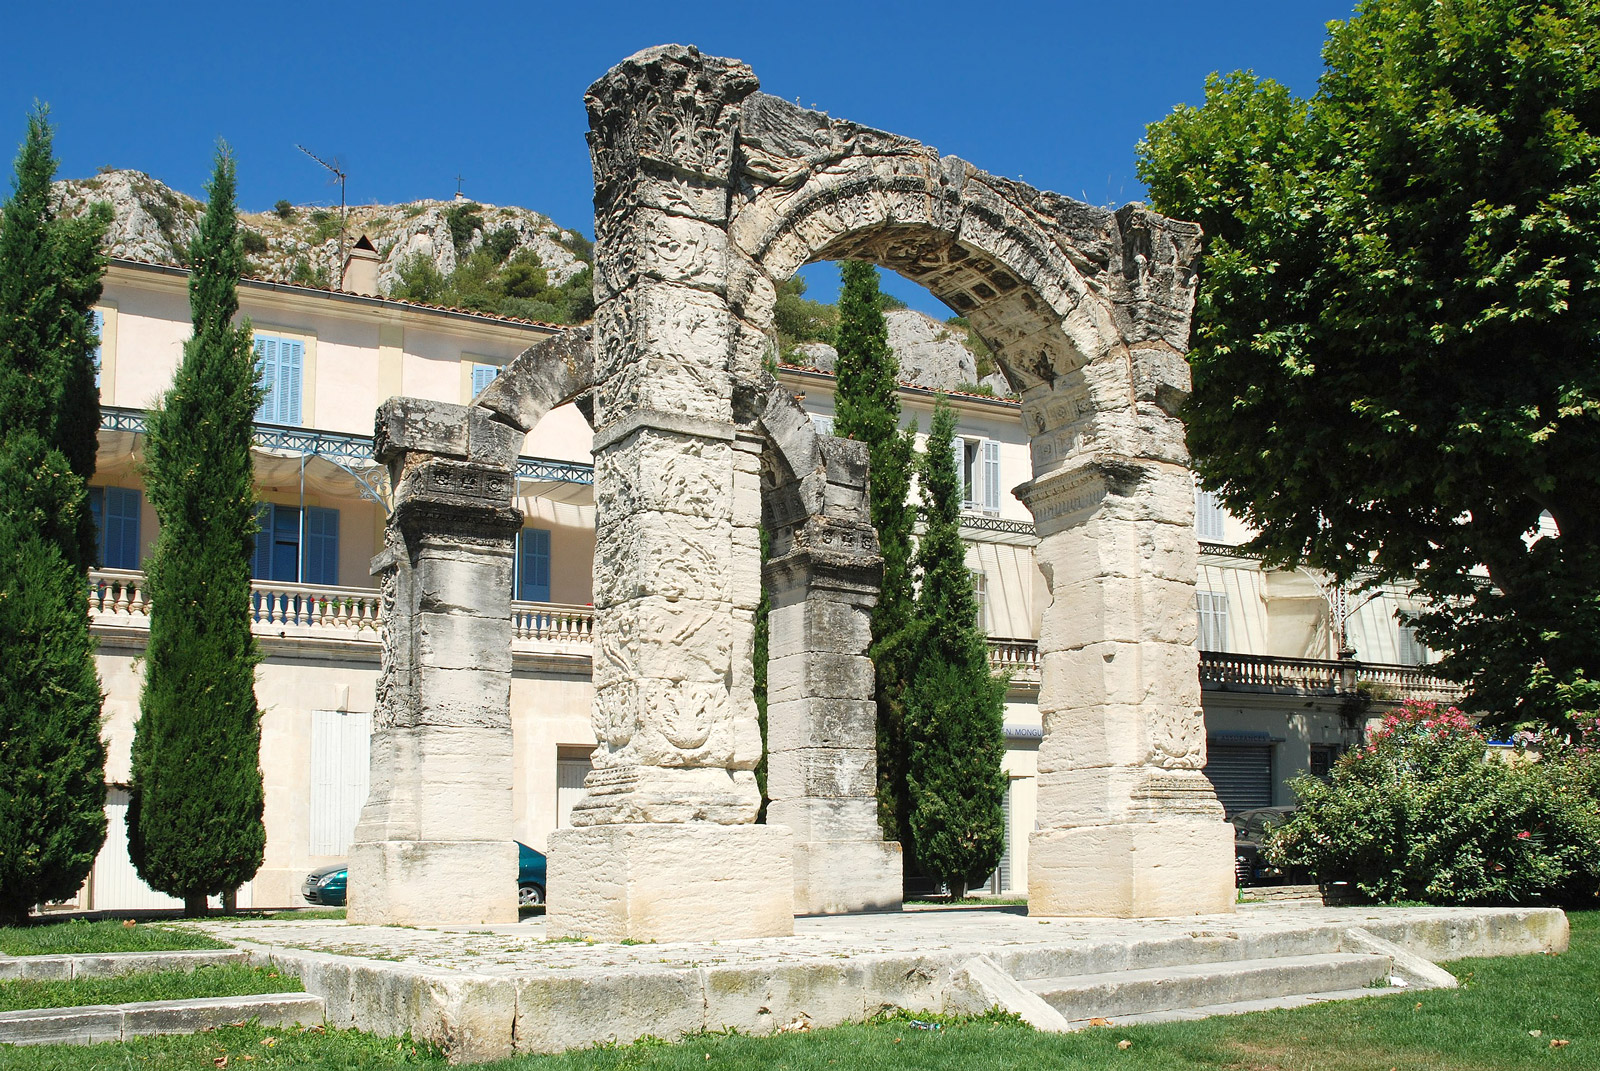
[[1128, 825], [434, 843], [664, 845], [823, 579]]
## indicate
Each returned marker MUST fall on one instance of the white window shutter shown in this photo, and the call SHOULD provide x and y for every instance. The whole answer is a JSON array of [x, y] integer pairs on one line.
[[1212, 609], [958, 448], [991, 476]]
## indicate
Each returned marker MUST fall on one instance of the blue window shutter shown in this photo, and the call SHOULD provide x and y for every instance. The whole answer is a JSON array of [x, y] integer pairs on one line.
[[279, 365], [97, 510], [533, 565], [289, 364], [322, 546], [121, 540], [482, 376], [266, 378], [261, 562], [991, 475]]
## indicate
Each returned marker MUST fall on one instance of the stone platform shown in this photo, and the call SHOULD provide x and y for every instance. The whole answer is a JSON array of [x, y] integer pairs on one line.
[[486, 992]]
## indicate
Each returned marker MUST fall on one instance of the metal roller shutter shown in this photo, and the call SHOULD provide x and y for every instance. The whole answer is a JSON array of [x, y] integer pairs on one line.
[[1241, 774]]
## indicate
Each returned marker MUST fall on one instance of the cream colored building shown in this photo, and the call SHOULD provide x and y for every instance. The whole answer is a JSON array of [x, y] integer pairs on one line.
[[1277, 697]]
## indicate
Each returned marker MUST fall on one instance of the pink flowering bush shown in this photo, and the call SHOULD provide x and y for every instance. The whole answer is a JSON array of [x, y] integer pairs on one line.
[[1419, 813]]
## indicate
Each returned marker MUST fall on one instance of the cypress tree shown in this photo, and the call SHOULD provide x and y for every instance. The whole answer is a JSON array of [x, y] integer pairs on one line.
[[955, 707], [52, 761], [867, 408], [194, 817]]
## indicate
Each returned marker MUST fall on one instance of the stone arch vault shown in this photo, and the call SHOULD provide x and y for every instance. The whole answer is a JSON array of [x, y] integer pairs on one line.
[[707, 194]]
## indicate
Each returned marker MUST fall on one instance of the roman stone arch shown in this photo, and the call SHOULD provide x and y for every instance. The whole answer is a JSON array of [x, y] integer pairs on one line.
[[707, 194]]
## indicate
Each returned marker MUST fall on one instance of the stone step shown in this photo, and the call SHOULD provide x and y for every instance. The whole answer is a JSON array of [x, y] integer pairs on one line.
[[1243, 1007], [117, 1022], [1168, 988], [108, 964]]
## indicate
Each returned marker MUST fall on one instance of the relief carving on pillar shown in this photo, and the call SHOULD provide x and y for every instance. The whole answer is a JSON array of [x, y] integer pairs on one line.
[[1177, 739]]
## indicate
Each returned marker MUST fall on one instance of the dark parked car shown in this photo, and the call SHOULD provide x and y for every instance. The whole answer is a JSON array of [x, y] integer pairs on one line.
[[1250, 829], [325, 885]]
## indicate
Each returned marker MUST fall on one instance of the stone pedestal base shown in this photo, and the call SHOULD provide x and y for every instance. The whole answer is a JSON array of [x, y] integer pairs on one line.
[[836, 877], [1132, 870], [432, 882], [671, 881]]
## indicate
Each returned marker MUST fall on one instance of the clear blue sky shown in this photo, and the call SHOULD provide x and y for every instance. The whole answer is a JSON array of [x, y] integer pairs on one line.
[[409, 95]]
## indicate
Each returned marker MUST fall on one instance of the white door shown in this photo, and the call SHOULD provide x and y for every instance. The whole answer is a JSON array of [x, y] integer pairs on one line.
[[117, 885], [569, 787], [341, 743]]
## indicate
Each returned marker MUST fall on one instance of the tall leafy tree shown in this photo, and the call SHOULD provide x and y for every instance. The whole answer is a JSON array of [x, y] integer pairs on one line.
[[867, 409], [194, 817], [1397, 349], [955, 707], [52, 761]]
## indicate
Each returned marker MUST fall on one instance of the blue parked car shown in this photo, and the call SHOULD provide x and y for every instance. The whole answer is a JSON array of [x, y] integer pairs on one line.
[[325, 886]]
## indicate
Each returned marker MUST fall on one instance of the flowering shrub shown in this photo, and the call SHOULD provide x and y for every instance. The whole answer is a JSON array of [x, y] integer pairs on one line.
[[1419, 813]]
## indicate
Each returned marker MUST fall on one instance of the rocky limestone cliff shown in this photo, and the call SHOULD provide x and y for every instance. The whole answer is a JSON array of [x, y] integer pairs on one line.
[[153, 222], [931, 354]]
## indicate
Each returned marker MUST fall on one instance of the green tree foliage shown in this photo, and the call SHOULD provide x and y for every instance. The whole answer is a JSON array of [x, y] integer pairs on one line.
[[52, 788], [496, 280], [1395, 360], [1419, 813], [194, 817], [867, 409], [799, 319], [955, 706]]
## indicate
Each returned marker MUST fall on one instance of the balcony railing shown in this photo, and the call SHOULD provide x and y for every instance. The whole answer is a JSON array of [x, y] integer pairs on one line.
[[1320, 676], [118, 598], [1019, 658]]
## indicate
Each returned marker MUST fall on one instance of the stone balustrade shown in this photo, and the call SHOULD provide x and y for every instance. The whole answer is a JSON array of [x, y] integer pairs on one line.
[[1017, 658], [1322, 676], [118, 598]]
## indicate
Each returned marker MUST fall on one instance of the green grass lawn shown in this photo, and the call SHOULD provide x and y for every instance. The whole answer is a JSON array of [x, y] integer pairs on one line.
[[71, 936], [223, 980], [1483, 1026]]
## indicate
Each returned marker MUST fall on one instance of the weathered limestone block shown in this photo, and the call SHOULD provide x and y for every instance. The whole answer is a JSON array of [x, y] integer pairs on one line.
[[649, 881], [835, 877], [1119, 767], [1132, 869]]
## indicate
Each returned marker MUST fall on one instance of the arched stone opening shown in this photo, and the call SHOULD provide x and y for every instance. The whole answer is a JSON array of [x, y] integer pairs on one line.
[[707, 193], [438, 816], [822, 577]]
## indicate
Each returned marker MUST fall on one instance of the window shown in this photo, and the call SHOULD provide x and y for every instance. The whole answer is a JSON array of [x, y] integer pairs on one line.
[[980, 596], [278, 368], [1412, 651], [116, 513], [532, 580], [1323, 756], [978, 470], [290, 553], [97, 325], [1212, 607], [824, 424], [1208, 516], [482, 376]]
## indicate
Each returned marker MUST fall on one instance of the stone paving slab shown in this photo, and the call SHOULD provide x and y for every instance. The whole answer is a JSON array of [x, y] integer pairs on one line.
[[110, 964], [115, 1022], [487, 991]]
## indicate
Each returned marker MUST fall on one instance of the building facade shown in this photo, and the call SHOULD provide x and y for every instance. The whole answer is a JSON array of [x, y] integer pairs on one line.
[[1291, 667]]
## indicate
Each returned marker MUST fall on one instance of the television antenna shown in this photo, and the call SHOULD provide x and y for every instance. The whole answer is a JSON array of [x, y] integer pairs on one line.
[[339, 177]]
